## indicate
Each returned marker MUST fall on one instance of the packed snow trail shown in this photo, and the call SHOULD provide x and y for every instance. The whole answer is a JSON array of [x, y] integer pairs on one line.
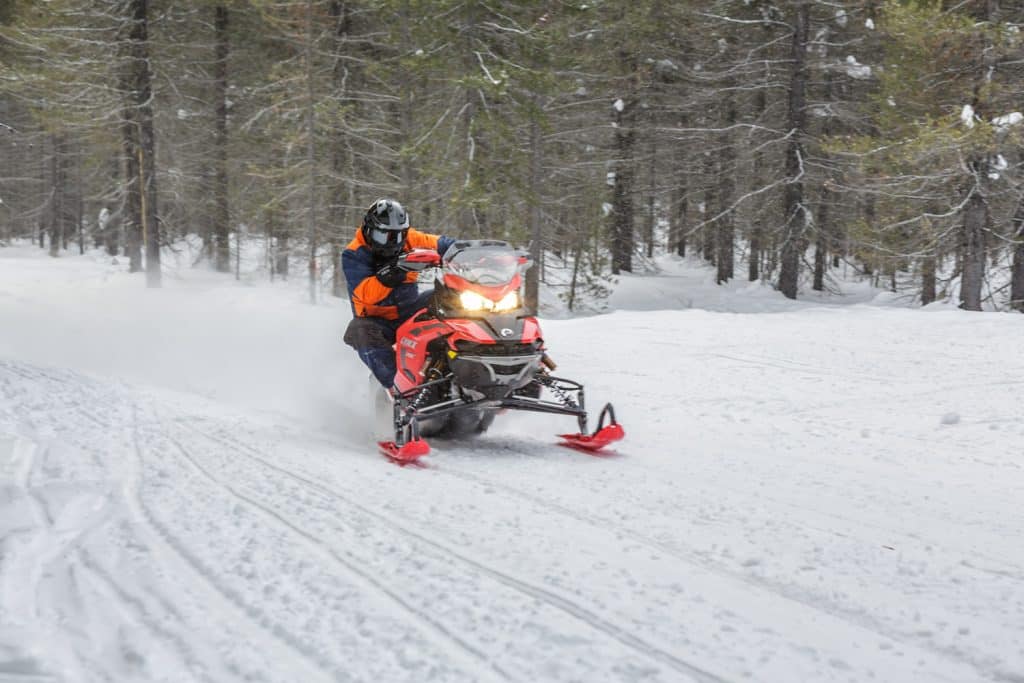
[[820, 494]]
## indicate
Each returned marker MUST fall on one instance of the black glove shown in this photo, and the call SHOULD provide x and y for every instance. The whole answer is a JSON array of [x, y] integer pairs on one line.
[[391, 274]]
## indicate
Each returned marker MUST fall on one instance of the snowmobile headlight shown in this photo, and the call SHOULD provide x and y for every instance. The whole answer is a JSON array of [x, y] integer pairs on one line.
[[471, 301], [508, 302]]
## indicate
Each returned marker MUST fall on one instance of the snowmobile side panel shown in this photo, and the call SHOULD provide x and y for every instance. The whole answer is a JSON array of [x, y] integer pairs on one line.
[[414, 336]]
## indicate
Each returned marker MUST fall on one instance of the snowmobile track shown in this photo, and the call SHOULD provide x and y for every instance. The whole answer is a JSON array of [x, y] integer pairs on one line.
[[870, 531], [856, 620], [247, 612], [347, 565], [139, 616], [548, 597], [77, 396]]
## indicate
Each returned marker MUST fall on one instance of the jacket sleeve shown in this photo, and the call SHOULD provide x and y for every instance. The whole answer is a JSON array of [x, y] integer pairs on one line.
[[423, 240], [364, 289]]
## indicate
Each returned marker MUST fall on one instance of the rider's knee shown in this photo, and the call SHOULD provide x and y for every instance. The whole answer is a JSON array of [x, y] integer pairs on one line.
[[367, 333]]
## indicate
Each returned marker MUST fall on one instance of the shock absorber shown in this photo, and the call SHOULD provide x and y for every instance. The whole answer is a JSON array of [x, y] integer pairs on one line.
[[558, 391], [406, 426], [567, 400], [421, 397]]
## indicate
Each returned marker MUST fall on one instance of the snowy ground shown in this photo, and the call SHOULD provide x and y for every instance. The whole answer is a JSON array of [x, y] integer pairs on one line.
[[807, 492]]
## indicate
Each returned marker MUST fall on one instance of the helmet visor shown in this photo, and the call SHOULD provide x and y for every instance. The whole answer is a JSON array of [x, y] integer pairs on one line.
[[388, 238]]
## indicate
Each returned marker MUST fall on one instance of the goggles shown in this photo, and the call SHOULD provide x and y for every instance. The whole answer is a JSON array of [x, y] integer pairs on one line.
[[388, 237]]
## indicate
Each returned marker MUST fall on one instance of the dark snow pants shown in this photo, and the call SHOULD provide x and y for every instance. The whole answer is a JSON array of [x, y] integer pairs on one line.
[[374, 339]]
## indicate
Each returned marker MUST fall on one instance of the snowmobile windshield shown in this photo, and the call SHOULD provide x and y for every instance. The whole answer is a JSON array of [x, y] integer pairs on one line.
[[483, 265]]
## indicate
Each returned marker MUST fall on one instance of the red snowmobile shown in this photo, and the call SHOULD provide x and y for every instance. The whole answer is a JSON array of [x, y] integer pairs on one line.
[[476, 351]]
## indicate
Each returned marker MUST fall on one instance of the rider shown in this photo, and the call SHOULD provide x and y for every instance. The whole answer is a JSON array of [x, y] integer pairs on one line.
[[383, 295]]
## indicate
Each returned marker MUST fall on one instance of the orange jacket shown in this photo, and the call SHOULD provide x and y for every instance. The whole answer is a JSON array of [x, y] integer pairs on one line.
[[368, 296]]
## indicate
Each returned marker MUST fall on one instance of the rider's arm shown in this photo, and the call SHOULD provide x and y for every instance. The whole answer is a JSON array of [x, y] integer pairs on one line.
[[423, 240], [364, 287]]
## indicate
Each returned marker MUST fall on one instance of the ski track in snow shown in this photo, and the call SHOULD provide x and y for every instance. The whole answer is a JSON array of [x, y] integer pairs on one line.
[[103, 589], [538, 593], [819, 603], [221, 472], [805, 518]]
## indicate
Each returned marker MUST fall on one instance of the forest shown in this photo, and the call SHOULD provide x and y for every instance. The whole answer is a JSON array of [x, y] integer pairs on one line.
[[777, 140]]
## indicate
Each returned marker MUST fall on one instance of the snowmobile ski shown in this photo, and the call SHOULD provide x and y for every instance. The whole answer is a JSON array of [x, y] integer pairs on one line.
[[406, 454], [602, 436]]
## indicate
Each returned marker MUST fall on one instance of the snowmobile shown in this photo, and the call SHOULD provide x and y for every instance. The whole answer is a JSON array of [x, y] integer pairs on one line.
[[474, 352]]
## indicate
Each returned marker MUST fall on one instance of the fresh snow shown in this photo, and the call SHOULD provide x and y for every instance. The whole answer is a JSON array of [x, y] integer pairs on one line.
[[1007, 120], [823, 490], [967, 115], [855, 69]]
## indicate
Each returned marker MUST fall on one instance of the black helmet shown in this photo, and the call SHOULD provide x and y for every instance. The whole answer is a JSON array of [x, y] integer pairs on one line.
[[385, 226]]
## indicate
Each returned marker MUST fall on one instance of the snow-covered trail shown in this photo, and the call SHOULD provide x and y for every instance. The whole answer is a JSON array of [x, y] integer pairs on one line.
[[820, 494]]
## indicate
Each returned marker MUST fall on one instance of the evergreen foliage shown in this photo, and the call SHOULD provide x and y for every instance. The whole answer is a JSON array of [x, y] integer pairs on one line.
[[775, 139]]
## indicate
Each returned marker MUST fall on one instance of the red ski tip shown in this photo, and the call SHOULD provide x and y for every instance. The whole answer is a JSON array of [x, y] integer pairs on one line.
[[596, 441], [408, 453]]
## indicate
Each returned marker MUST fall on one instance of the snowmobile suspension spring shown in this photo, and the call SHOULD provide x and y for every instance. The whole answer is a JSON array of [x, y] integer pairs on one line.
[[420, 399], [561, 393]]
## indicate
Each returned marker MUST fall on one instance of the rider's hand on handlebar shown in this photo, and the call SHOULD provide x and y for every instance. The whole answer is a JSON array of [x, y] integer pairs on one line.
[[391, 274]]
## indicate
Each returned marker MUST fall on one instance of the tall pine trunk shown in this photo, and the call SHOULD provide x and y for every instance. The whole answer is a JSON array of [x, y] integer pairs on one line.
[[277, 233], [57, 194], [79, 210], [725, 226], [973, 249], [680, 204], [977, 219], [622, 184], [470, 220], [147, 149], [111, 235], [406, 108], [821, 241], [823, 225], [139, 144], [794, 212], [650, 217], [536, 228], [757, 222], [708, 243], [311, 233], [1017, 272], [341, 151], [928, 281], [222, 211], [131, 209]]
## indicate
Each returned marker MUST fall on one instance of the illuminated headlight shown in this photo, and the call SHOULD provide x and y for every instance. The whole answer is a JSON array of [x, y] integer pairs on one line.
[[508, 302], [471, 301]]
